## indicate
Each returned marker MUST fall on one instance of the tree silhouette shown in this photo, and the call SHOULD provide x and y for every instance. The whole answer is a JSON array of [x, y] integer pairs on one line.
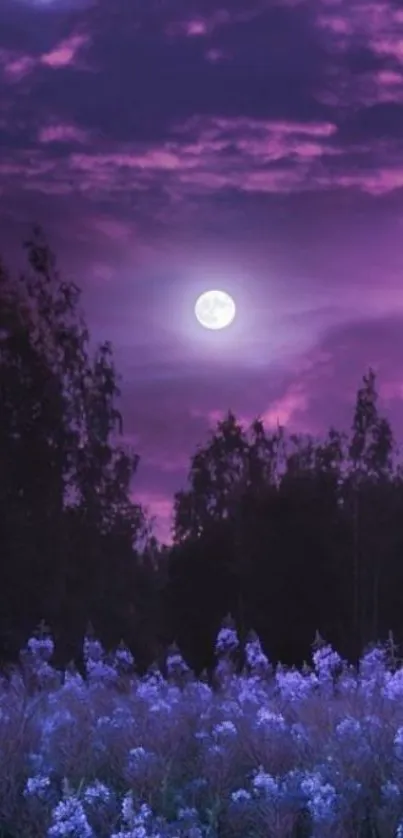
[[368, 490], [290, 534], [68, 526]]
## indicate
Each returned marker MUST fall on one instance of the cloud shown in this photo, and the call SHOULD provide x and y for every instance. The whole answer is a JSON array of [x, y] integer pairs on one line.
[[285, 410], [206, 157], [57, 133], [66, 53]]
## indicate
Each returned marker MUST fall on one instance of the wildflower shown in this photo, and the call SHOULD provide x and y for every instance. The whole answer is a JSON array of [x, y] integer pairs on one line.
[[294, 686], [97, 793], [130, 816], [232, 708], [100, 671], [227, 641], [73, 683], [241, 796], [160, 706], [393, 687], [127, 808], [326, 661], [274, 721], [69, 819], [266, 783], [322, 798], [41, 647], [226, 727], [37, 786], [92, 650], [123, 658], [176, 664], [151, 687], [257, 661], [373, 663], [348, 684], [349, 728]]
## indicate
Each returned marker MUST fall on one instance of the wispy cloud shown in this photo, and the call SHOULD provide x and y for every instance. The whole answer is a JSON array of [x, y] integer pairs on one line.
[[66, 53], [59, 133]]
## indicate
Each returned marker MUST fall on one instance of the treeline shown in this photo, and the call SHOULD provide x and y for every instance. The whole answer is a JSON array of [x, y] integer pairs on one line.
[[288, 534]]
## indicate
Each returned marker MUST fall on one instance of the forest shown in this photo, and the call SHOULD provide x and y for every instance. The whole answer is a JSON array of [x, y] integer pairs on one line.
[[284, 534]]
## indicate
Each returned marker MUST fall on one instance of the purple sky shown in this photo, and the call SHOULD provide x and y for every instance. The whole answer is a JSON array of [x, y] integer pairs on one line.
[[168, 146]]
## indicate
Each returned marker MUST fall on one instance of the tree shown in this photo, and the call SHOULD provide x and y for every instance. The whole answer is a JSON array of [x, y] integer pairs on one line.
[[231, 462], [259, 525], [298, 527], [369, 492], [65, 477]]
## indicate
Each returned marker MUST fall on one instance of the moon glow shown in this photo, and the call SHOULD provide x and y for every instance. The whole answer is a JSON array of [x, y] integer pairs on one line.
[[215, 309]]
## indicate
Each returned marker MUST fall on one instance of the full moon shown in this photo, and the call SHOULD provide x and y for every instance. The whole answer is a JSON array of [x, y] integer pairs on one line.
[[215, 309]]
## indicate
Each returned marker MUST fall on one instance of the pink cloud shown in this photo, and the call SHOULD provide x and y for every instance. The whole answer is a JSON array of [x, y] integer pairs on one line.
[[286, 409], [196, 27], [153, 159], [198, 164], [377, 182], [62, 133], [338, 25], [17, 68], [277, 181], [389, 47], [376, 21], [65, 54], [389, 77]]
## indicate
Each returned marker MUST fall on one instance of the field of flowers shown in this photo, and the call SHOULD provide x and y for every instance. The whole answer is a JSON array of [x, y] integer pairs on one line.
[[259, 752]]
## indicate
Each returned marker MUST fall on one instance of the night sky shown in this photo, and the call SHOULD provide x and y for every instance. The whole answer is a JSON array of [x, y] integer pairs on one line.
[[169, 146]]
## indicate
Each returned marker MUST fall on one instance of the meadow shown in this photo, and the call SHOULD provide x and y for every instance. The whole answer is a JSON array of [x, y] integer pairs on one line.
[[257, 752]]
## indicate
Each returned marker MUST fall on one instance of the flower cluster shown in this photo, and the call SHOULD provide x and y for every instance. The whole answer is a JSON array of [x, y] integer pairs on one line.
[[260, 751]]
